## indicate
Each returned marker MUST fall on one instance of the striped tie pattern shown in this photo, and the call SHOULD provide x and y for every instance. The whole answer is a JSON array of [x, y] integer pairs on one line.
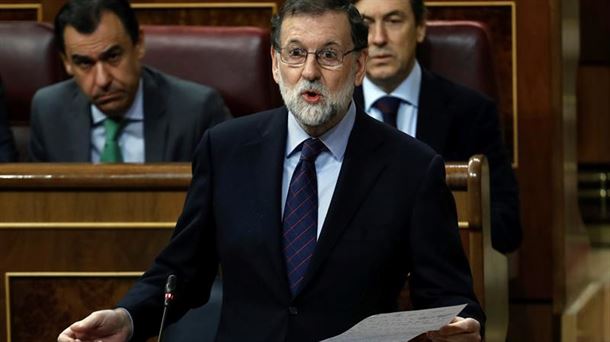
[[388, 106], [300, 223]]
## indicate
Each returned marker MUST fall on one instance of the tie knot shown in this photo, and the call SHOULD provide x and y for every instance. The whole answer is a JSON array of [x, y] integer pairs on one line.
[[388, 104], [112, 127], [311, 149]]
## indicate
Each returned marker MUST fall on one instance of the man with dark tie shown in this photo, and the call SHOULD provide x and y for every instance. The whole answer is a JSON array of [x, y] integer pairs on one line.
[[315, 212], [455, 121], [114, 109]]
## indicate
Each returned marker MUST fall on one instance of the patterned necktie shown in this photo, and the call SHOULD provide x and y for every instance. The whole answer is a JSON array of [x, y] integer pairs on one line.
[[111, 152], [300, 225], [388, 106]]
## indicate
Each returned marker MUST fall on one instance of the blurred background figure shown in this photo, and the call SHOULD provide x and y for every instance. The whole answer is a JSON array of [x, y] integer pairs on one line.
[[114, 109]]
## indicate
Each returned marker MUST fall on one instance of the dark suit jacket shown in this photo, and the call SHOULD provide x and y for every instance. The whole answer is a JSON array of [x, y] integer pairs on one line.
[[391, 214], [176, 113], [458, 123], [8, 152]]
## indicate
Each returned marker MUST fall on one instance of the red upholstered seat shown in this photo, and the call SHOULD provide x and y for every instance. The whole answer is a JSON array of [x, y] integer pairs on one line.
[[460, 51], [28, 61], [234, 60]]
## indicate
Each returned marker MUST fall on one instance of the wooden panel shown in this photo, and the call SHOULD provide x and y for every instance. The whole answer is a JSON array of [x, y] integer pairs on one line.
[[594, 32], [205, 14], [83, 218], [594, 114], [589, 321], [586, 318], [69, 297], [540, 172], [531, 322], [184, 12], [55, 249], [25, 12]]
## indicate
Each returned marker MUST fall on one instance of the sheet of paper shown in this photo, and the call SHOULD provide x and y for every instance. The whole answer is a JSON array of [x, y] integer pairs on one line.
[[398, 326]]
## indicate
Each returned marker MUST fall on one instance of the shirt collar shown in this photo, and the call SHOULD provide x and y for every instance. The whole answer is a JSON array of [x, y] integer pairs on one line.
[[134, 113], [407, 91], [335, 139]]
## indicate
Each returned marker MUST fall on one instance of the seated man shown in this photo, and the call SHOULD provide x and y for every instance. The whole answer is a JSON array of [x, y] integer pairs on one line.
[[454, 120], [114, 109], [8, 151], [363, 205]]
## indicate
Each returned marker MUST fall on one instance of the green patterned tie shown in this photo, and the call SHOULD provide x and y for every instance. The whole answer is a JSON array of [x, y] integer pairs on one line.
[[112, 151]]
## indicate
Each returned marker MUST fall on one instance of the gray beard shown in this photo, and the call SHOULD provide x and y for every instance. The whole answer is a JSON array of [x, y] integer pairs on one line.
[[315, 115]]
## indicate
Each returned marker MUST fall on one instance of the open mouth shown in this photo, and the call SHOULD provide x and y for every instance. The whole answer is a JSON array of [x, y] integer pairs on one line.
[[311, 96]]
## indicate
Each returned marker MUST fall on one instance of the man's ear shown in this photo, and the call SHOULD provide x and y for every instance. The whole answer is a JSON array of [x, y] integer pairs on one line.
[[140, 46], [67, 64], [275, 68], [361, 59], [421, 31]]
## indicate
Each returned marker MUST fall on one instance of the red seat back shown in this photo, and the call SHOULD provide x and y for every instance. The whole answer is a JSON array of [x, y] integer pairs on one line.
[[460, 51], [233, 60]]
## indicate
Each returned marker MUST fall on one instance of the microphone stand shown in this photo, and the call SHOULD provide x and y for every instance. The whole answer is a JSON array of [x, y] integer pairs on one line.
[[170, 286]]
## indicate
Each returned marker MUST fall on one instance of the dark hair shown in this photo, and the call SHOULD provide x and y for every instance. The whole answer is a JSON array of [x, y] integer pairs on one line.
[[417, 6], [419, 10], [85, 16], [359, 29]]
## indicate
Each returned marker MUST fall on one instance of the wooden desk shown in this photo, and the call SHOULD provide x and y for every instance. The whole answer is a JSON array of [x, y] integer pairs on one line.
[[74, 237]]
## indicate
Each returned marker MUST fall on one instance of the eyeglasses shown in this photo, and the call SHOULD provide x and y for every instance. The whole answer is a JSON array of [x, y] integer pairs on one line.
[[326, 58]]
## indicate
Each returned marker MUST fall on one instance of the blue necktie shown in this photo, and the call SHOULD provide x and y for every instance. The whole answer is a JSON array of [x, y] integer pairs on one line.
[[388, 106], [300, 225]]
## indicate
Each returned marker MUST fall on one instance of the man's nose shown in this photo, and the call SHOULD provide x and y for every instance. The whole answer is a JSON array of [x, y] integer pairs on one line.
[[102, 75], [377, 34], [311, 68]]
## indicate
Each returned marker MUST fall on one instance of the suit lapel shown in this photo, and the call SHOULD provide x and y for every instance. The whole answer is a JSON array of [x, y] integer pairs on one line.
[[361, 168], [155, 120], [263, 159], [78, 128], [433, 119]]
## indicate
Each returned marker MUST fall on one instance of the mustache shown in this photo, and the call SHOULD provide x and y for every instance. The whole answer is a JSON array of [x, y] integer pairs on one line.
[[311, 86], [376, 52]]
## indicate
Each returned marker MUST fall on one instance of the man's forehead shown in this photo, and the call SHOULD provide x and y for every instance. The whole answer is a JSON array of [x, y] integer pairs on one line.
[[322, 29], [106, 36], [383, 8]]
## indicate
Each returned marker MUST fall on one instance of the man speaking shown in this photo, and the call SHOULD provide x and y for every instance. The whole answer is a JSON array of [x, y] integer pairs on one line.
[[315, 211]]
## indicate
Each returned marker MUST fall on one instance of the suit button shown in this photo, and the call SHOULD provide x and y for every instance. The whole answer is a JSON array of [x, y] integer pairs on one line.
[[293, 310]]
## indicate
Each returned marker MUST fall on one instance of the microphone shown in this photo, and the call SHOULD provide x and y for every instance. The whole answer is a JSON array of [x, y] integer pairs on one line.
[[170, 286]]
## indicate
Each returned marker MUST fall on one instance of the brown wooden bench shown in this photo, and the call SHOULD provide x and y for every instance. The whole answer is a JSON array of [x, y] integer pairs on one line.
[[469, 183], [73, 237]]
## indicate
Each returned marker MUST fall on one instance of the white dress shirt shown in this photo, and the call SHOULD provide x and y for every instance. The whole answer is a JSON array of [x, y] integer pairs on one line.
[[131, 136], [407, 91], [328, 163]]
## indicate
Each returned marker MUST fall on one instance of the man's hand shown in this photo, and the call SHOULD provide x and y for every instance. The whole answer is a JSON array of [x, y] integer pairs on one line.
[[460, 329], [100, 326]]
